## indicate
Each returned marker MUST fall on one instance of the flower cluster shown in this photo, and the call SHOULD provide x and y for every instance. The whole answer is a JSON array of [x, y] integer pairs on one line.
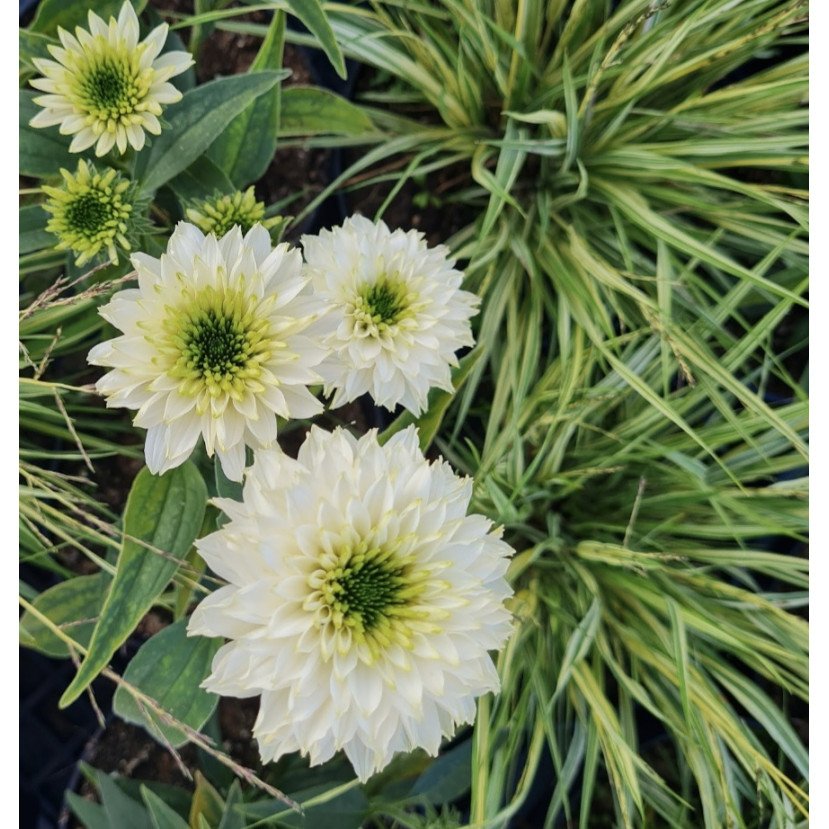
[[104, 87], [362, 601], [222, 335]]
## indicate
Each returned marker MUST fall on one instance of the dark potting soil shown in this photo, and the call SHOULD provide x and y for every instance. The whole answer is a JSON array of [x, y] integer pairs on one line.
[[418, 205]]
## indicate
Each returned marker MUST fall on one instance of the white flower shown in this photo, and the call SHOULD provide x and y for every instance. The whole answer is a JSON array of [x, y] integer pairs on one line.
[[362, 601], [106, 88], [395, 311], [218, 339]]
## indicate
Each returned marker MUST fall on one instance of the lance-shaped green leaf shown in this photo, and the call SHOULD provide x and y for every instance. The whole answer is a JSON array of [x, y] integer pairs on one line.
[[121, 810], [169, 669], [308, 110], [207, 805], [161, 815], [91, 815], [163, 517], [73, 605], [447, 778], [233, 818], [311, 14], [32, 45], [196, 121], [245, 148]]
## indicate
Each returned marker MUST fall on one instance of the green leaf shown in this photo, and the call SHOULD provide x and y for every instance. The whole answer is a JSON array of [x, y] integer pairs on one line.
[[760, 706], [165, 512], [32, 45], [246, 147], [54, 13], [224, 486], [557, 121], [309, 110], [176, 798], [200, 181], [43, 150], [195, 122], [233, 818], [91, 815], [121, 810], [579, 644], [311, 14], [162, 816], [326, 806], [207, 805], [447, 778], [169, 669], [32, 226], [73, 605]]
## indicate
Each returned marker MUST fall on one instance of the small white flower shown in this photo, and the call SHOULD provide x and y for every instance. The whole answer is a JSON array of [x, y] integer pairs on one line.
[[363, 600], [218, 339], [106, 88], [395, 311]]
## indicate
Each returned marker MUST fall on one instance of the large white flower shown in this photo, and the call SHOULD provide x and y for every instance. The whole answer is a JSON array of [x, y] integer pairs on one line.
[[362, 602], [218, 339], [395, 310], [106, 88]]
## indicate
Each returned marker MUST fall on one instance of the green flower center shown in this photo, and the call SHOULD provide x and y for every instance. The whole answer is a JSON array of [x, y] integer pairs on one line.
[[381, 304], [218, 342], [217, 345], [107, 86], [90, 212], [366, 591], [371, 596]]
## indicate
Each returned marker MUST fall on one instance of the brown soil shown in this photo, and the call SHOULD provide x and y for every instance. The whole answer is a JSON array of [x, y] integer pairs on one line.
[[236, 719], [130, 751]]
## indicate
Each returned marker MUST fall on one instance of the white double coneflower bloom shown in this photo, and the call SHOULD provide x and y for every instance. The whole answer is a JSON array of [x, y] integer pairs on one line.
[[395, 312], [104, 87], [362, 600], [218, 339]]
